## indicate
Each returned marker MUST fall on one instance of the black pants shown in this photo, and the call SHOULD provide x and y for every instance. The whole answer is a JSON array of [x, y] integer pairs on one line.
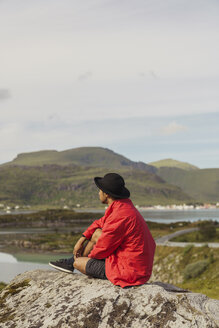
[[96, 268]]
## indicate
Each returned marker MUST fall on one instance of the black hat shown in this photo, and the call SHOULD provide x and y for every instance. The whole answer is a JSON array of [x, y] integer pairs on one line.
[[112, 184]]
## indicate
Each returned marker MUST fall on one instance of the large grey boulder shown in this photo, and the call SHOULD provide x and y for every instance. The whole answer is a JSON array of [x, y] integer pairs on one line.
[[50, 299]]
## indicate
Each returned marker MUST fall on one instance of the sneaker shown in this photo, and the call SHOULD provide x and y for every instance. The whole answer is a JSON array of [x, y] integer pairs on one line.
[[65, 265]]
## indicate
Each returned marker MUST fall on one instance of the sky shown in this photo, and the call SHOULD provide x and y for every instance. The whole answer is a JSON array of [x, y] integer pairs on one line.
[[138, 77]]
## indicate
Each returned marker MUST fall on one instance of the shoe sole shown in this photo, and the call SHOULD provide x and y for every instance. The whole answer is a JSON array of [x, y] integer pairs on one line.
[[61, 269]]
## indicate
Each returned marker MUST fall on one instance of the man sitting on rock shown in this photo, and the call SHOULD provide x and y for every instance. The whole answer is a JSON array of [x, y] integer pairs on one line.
[[119, 246]]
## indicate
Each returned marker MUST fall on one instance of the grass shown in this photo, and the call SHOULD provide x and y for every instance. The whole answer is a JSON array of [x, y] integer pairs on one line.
[[98, 157], [173, 163], [195, 269], [44, 258], [187, 249], [60, 241], [8, 314], [2, 285], [70, 185], [57, 243], [52, 218], [13, 289], [171, 262], [161, 229], [197, 237], [200, 184]]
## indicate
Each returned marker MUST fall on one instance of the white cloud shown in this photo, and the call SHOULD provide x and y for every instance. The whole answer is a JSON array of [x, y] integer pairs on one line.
[[136, 138], [4, 94], [92, 60], [172, 128], [13, 138], [85, 76]]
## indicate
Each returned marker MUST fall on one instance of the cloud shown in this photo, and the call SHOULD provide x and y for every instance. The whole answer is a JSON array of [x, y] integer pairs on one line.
[[153, 74], [4, 94], [140, 139], [149, 58], [172, 128], [150, 73], [49, 58], [85, 76]]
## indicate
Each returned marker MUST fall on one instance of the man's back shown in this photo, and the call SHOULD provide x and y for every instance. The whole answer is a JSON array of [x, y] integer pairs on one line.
[[121, 238], [126, 244]]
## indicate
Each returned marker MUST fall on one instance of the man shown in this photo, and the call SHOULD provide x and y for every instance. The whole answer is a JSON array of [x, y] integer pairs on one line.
[[119, 246]]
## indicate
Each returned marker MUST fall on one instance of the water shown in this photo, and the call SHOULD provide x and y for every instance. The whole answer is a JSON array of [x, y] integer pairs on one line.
[[76, 229], [16, 212], [171, 216], [10, 267], [160, 216]]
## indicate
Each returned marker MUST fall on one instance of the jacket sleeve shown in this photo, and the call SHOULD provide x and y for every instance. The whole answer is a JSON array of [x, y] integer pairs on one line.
[[95, 225], [110, 239]]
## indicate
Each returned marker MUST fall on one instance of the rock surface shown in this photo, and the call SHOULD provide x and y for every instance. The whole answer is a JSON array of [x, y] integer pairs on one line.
[[51, 299]]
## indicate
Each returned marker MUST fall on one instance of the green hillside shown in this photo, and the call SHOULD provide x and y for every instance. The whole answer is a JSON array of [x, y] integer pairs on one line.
[[202, 184], [173, 163], [70, 185], [84, 156]]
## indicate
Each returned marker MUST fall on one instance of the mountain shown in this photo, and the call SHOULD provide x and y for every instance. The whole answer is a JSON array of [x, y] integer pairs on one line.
[[71, 185], [84, 156], [200, 184], [66, 178], [173, 163]]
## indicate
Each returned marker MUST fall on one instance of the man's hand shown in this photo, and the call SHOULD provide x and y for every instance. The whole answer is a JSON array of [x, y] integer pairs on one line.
[[78, 249]]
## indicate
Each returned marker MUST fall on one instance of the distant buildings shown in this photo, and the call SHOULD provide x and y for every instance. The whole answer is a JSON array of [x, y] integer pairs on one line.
[[182, 207]]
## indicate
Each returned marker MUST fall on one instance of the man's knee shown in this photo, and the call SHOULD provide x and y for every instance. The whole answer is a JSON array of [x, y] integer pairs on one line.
[[80, 264], [96, 235], [76, 263]]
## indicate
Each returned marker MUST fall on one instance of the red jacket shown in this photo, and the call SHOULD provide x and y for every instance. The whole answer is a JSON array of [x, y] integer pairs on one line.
[[126, 244]]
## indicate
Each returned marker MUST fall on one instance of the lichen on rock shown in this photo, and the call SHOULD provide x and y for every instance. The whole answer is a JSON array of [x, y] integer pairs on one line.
[[51, 299]]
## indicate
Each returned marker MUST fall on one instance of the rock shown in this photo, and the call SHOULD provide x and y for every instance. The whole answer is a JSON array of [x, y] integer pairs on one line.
[[52, 299], [27, 244]]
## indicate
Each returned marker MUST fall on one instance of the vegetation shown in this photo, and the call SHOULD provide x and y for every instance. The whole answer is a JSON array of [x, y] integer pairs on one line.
[[84, 156], [63, 237], [2, 285], [56, 185], [209, 232], [54, 219], [195, 269], [58, 243], [201, 184], [171, 264], [187, 249], [12, 289], [66, 178], [173, 163], [65, 226], [15, 288], [57, 219]]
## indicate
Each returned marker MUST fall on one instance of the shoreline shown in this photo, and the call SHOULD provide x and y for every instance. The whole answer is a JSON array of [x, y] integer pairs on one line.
[[155, 208]]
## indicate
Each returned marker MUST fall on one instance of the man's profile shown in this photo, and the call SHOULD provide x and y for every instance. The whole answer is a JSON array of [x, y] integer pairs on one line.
[[119, 246]]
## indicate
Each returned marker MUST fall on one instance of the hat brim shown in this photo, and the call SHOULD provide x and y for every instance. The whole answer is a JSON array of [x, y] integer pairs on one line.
[[124, 194]]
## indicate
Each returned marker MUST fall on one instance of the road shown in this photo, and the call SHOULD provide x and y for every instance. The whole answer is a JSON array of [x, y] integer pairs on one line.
[[165, 240]]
